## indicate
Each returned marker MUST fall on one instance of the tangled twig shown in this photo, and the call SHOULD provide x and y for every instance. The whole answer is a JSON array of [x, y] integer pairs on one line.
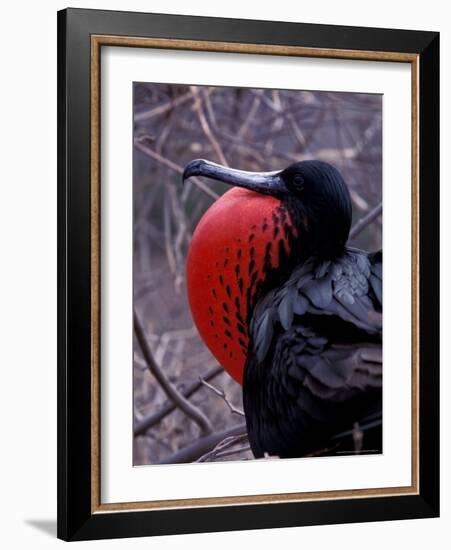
[[146, 423], [178, 399], [222, 446], [223, 396], [203, 445]]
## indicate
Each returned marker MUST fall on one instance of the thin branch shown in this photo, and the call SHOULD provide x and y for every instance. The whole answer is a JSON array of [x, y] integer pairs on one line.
[[172, 165], [209, 107], [226, 443], [223, 396], [234, 451], [297, 132], [206, 127], [168, 234], [365, 221], [203, 445], [170, 335], [357, 198], [145, 424], [161, 109], [179, 400], [241, 133]]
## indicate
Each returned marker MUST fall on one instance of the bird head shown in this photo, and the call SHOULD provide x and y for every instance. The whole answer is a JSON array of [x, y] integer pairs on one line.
[[314, 193], [252, 237]]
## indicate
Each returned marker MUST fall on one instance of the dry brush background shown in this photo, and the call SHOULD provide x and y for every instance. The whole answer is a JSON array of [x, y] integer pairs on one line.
[[177, 417]]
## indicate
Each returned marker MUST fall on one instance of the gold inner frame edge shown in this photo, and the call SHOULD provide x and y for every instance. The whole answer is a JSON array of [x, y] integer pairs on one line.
[[97, 41]]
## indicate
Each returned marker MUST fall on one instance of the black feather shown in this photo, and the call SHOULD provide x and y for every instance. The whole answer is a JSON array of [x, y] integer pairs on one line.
[[314, 366]]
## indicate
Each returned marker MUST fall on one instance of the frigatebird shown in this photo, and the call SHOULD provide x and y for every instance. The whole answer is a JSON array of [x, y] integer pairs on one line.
[[289, 309]]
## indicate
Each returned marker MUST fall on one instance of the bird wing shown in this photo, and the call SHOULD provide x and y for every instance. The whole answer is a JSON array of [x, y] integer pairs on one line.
[[317, 342], [348, 288], [312, 393]]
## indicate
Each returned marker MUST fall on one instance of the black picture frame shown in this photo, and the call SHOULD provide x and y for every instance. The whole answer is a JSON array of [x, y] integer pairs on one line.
[[76, 519]]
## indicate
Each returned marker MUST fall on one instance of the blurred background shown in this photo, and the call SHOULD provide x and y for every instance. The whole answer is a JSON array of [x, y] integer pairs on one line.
[[177, 418]]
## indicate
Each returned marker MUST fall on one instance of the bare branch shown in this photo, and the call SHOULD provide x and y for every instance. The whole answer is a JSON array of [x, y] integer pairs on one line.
[[365, 221], [206, 127], [179, 400], [223, 396], [234, 451], [145, 424], [161, 109], [247, 121], [168, 235], [172, 165], [226, 443], [203, 445]]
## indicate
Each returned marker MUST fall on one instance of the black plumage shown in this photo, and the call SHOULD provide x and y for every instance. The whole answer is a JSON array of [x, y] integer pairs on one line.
[[314, 366]]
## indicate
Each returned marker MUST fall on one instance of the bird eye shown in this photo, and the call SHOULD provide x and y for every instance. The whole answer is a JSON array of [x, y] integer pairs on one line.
[[298, 181]]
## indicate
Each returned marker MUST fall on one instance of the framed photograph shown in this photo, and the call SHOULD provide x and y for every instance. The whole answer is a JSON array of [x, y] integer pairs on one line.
[[248, 274]]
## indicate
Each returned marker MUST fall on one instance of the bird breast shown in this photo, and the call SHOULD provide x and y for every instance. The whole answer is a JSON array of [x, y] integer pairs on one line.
[[241, 238]]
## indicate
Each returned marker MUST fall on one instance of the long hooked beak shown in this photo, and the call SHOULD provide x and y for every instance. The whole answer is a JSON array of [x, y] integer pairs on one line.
[[268, 183]]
